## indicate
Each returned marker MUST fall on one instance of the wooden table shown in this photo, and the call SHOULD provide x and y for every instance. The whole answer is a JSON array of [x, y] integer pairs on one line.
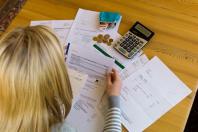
[[175, 23]]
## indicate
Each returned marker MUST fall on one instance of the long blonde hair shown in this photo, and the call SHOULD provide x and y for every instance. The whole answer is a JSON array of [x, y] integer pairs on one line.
[[35, 92]]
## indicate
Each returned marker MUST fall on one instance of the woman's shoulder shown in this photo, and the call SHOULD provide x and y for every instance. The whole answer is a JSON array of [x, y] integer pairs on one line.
[[62, 127]]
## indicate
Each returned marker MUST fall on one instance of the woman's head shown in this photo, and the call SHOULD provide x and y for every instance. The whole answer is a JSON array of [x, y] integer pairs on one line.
[[34, 86]]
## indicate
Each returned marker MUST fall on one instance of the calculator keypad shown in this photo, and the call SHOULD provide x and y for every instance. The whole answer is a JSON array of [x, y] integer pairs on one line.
[[130, 43]]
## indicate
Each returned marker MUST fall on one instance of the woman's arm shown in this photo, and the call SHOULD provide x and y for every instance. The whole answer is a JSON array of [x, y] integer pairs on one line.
[[113, 115]]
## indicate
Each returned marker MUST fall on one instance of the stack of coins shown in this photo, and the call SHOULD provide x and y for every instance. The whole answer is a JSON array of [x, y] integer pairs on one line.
[[106, 39]]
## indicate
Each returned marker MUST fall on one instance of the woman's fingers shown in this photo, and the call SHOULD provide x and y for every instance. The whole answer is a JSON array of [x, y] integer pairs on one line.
[[109, 79], [115, 75]]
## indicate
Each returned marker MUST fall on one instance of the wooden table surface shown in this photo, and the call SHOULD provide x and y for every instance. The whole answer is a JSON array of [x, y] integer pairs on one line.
[[174, 22]]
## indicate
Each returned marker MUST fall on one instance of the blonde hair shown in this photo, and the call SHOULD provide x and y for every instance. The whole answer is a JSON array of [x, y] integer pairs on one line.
[[35, 92]]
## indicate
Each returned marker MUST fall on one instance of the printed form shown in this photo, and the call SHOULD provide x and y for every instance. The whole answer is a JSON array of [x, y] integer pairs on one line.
[[77, 81], [135, 65], [96, 66], [86, 26], [80, 38], [149, 93], [60, 27]]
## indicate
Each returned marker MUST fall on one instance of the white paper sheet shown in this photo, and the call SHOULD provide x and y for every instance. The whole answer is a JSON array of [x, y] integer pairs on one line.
[[96, 66], [85, 27], [77, 80], [87, 20], [61, 27], [132, 67], [135, 65], [149, 93]]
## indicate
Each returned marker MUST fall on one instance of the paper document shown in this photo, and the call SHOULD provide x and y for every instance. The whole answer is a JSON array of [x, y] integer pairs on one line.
[[61, 27], [87, 20], [124, 74], [149, 93], [132, 67], [85, 27], [83, 30], [96, 66], [77, 80]]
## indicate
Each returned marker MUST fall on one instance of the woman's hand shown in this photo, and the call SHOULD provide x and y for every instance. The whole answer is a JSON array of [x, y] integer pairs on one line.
[[113, 83]]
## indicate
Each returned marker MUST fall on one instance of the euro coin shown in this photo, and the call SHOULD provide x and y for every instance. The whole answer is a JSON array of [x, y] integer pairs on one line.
[[106, 36], [95, 38], [111, 40], [100, 36], [99, 41]]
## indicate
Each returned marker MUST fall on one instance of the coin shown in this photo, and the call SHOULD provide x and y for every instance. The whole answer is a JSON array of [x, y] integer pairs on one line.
[[95, 38], [100, 36], [104, 41], [106, 36], [99, 41], [111, 40]]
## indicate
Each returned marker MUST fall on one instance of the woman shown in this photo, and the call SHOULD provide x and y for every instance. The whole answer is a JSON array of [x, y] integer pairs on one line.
[[35, 92]]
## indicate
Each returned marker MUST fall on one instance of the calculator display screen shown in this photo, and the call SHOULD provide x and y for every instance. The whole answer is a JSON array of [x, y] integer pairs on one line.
[[143, 30]]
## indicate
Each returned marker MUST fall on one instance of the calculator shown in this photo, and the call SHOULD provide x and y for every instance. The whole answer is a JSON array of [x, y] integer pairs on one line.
[[134, 40]]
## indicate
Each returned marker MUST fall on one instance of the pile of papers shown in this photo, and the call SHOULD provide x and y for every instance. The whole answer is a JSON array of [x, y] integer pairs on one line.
[[149, 88]]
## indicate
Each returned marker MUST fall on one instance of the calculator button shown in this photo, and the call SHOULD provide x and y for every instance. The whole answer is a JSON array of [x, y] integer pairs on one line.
[[122, 44], [128, 49], [141, 45], [130, 37], [125, 47], [130, 54], [131, 46], [136, 43], [131, 43], [141, 42], [122, 50], [133, 50], [125, 42], [128, 44], [138, 46]]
